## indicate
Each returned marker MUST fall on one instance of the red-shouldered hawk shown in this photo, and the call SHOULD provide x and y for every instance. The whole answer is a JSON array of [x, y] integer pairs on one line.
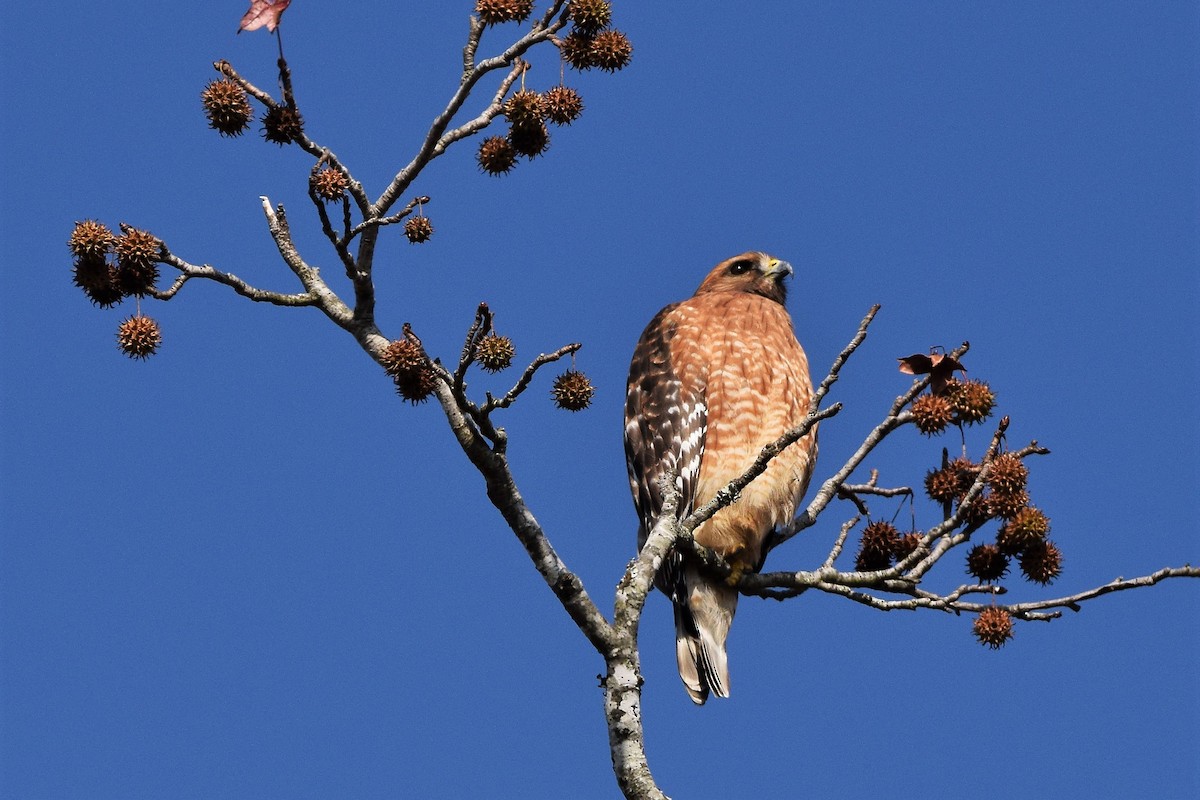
[[714, 379]]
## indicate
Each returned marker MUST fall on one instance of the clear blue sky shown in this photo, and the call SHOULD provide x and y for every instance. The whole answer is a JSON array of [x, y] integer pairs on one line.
[[245, 569]]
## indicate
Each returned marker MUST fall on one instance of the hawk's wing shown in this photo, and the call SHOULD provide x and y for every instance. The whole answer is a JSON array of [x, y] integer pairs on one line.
[[665, 426]]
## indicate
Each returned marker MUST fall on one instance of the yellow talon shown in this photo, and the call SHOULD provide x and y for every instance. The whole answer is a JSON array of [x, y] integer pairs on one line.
[[737, 565]]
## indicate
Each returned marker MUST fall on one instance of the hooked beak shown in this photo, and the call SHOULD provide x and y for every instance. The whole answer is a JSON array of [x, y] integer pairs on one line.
[[778, 269]]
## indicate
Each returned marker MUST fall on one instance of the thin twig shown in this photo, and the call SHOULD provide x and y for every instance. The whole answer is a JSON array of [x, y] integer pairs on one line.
[[878, 491], [439, 136], [339, 244], [1025, 610], [479, 329], [377, 222], [830, 379], [730, 491], [523, 382], [189, 271], [839, 543]]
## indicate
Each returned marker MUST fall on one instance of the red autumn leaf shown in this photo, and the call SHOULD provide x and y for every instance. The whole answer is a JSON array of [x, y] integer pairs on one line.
[[263, 12], [940, 367]]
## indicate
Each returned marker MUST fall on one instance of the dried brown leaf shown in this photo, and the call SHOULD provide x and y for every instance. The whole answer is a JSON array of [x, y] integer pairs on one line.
[[263, 12], [939, 366]]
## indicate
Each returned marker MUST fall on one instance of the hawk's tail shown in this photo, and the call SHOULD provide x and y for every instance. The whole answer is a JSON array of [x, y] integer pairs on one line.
[[701, 627]]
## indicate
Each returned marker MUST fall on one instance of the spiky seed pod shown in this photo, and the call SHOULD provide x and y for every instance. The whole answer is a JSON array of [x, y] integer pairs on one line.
[[980, 511], [993, 627], [98, 279], [872, 560], [529, 140], [877, 546], [227, 107], [527, 133], [906, 545], [282, 125], [611, 50], [1008, 473], [496, 155], [409, 367], [495, 353], [494, 12], [1033, 520], [137, 248], [590, 16], [89, 272], [1027, 527], [966, 471], [572, 391], [137, 279], [91, 240], [576, 50], [402, 355], [1042, 562], [1005, 505], [952, 481], [973, 401], [1007, 478], [932, 413], [525, 108], [137, 261], [987, 563], [418, 385], [563, 105], [418, 229], [139, 337], [942, 485], [328, 184]]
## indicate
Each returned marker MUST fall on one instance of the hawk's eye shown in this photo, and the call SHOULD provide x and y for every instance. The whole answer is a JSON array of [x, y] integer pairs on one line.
[[740, 267]]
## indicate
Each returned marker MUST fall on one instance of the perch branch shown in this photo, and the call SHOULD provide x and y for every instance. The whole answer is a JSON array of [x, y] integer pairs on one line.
[[623, 682], [729, 493]]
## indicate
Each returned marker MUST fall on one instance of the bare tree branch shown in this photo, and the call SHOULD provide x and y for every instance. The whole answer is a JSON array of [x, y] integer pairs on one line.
[[835, 370], [327, 299], [485, 117], [480, 328], [839, 543], [623, 683], [526, 378], [435, 142], [503, 493], [189, 271], [392, 219], [1073, 602], [338, 242], [780, 585]]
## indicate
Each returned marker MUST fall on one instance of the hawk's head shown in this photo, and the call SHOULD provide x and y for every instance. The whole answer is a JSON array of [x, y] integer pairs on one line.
[[753, 272]]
